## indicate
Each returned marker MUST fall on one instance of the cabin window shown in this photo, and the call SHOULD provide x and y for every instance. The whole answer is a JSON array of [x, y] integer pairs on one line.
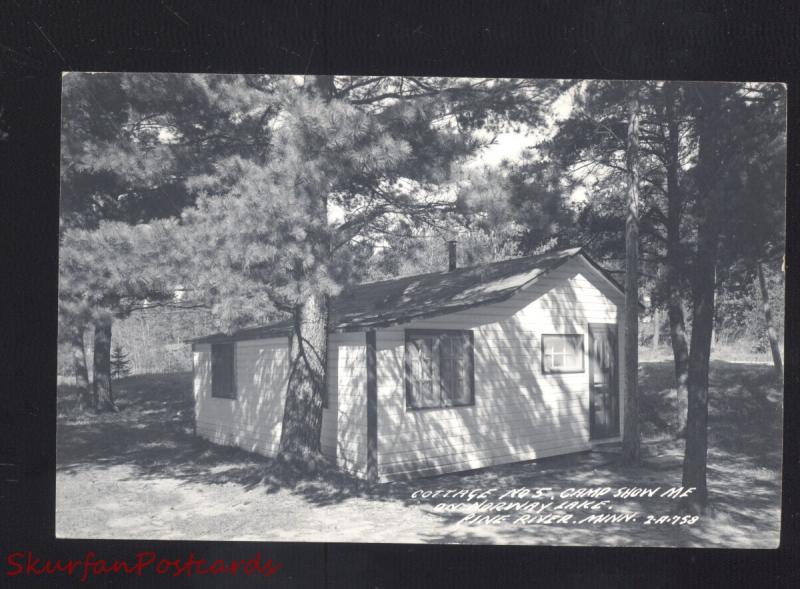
[[223, 376], [562, 353], [439, 369]]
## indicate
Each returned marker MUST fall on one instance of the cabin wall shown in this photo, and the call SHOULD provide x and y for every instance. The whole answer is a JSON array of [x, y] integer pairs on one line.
[[519, 412], [252, 421], [348, 381]]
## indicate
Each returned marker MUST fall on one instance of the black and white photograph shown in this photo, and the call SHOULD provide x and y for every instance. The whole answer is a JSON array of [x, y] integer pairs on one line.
[[422, 310]]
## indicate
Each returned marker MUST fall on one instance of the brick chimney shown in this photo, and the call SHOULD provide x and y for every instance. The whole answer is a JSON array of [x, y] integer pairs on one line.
[[451, 256]]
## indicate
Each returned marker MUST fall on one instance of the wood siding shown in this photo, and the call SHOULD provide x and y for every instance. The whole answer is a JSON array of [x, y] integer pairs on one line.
[[519, 413], [253, 420], [348, 384]]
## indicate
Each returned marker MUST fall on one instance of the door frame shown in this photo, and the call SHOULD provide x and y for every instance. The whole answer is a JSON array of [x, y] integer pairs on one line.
[[611, 332]]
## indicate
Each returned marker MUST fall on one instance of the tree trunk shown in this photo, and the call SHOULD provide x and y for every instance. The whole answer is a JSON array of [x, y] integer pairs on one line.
[[84, 395], [703, 290], [103, 395], [84, 361], [773, 338], [308, 352], [675, 314], [630, 437], [695, 459], [680, 354], [656, 328]]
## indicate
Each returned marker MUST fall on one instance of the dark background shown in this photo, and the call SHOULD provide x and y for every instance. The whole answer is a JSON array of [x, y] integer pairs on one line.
[[589, 39]]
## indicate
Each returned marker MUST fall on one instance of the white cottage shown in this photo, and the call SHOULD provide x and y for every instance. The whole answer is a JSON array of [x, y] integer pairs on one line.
[[436, 373]]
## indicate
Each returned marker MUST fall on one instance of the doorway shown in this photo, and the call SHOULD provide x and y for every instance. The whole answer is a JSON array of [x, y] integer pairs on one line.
[[603, 381]]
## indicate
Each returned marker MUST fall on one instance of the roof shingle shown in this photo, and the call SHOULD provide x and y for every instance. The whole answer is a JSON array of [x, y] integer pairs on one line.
[[389, 302]]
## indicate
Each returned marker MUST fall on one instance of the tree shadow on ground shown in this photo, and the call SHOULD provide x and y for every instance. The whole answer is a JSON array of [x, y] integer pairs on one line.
[[746, 412], [658, 406], [154, 432]]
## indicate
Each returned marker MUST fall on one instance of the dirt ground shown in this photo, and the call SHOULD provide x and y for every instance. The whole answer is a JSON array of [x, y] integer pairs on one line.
[[141, 473]]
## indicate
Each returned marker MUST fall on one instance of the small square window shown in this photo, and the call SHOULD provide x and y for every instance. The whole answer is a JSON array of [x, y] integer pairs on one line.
[[562, 353]]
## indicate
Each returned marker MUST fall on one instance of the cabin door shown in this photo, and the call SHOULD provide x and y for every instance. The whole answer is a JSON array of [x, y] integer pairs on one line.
[[603, 381]]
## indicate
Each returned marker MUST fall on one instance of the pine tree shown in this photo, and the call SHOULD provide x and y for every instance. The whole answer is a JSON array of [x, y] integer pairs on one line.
[[114, 167], [707, 152], [738, 129], [120, 365], [674, 275], [268, 222], [630, 434], [754, 239], [108, 272]]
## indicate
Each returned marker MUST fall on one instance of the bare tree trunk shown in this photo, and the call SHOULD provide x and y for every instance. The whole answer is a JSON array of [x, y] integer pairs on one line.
[[84, 361], [703, 290], [656, 328], [84, 395], [773, 338], [630, 437], [674, 264], [695, 459], [680, 354], [103, 395]]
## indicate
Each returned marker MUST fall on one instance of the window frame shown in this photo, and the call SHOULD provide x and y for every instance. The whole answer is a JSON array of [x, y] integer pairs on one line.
[[407, 368], [233, 395], [582, 368]]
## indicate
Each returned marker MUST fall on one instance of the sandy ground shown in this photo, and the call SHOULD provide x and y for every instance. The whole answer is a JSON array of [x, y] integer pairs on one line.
[[141, 473], [173, 509]]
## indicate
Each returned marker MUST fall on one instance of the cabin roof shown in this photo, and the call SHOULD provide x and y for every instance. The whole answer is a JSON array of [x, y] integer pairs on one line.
[[399, 300]]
